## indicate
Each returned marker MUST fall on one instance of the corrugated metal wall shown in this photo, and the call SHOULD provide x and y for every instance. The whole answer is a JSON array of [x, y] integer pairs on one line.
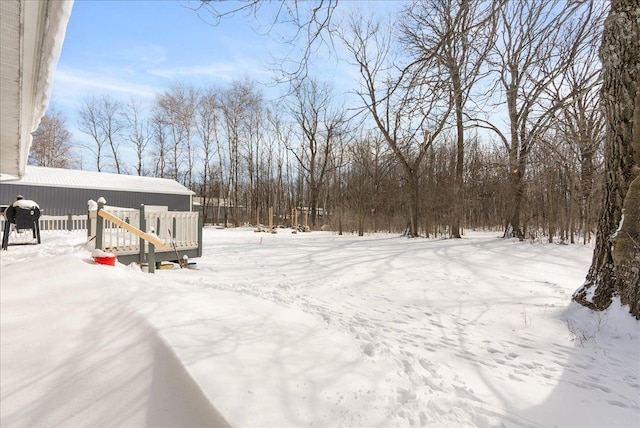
[[63, 201]]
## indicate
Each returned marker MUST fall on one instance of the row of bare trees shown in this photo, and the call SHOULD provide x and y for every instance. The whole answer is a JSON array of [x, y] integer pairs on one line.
[[422, 150], [245, 158], [535, 58]]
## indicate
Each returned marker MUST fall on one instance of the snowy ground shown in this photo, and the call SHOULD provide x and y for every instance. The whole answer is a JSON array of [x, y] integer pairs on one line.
[[315, 330]]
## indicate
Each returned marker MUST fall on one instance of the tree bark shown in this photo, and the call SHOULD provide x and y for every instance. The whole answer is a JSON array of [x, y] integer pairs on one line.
[[414, 210], [615, 268], [459, 177]]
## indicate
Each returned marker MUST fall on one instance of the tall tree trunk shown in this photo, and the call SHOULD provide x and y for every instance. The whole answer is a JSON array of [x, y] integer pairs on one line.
[[614, 269], [516, 183], [414, 209], [314, 207], [586, 191], [458, 181], [517, 164]]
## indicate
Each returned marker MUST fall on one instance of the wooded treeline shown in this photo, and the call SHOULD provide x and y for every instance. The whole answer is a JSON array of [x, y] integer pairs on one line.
[[467, 114]]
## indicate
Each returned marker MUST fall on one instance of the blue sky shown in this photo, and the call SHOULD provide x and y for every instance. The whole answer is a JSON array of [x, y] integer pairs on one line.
[[140, 47]]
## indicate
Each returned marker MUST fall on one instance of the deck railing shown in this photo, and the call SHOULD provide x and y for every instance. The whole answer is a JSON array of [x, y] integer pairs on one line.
[[170, 227], [57, 222]]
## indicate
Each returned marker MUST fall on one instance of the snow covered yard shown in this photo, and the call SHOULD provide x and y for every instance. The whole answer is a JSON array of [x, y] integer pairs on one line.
[[315, 330]]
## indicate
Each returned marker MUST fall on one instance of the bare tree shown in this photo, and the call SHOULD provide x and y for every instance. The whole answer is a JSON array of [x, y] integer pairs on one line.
[[253, 153], [51, 145], [206, 123], [189, 99], [614, 268], [176, 108], [101, 119], [322, 126], [138, 135], [537, 42], [90, 124], [484, 184], [454, 38], [370, 162], [237, 103], [581, 124], [409, 110], [282, 133], [160, 145], [112, 126]]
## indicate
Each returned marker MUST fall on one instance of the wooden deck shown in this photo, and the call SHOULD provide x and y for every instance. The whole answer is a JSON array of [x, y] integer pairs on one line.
[[180, 232]]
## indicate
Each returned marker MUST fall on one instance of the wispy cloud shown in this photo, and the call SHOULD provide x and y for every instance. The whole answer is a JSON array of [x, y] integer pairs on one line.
[[219, 71], [149, 55], [84, 83], [226, 71]]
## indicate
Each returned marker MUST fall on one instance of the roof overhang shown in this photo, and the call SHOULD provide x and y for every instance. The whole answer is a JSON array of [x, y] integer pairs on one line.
[[41, 176], [32, 33]]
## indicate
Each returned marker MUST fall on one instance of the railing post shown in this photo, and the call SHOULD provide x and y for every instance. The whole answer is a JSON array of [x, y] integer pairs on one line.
[[151, 258], [143, 227], [99, 224], [69, 222], [173, 232], [88, 223], [200, 226]]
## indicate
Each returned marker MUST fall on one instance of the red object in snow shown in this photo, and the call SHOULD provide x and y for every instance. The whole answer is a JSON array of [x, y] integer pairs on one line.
[[105, 260]]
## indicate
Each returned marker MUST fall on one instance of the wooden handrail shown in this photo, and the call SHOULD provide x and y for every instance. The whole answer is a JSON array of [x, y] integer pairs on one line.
[[120, 223]]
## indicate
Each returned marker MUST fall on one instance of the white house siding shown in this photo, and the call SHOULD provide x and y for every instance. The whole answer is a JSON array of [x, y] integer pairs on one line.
[[32, 34]]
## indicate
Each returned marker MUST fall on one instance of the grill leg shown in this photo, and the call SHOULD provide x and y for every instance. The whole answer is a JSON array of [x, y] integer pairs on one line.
[[5, 235], [36, 231]]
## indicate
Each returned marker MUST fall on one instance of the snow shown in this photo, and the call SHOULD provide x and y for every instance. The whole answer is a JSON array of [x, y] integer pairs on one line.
[[101, 253], [26, 204], [79, 179], [313, 329]]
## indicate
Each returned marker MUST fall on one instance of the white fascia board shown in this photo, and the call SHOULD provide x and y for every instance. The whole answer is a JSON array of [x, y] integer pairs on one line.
[[44, 26]]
